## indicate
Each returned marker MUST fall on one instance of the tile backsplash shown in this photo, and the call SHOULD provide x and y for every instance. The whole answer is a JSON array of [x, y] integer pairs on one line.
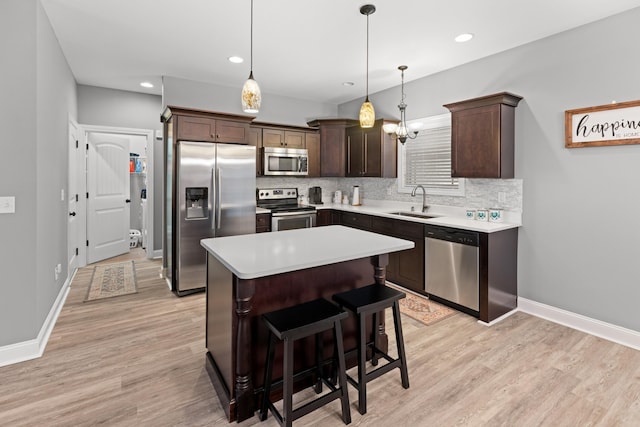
[[479, 193]]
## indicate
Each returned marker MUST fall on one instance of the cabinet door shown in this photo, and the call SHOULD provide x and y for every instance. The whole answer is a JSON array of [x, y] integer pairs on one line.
[[263, 223], [272, 138], [196, 129], [411, 266], [232, 132], [255, 139], [475, 142], [312, 142], [323, 217], [332, 151], [372, 151], [293, 139], [355, 151]]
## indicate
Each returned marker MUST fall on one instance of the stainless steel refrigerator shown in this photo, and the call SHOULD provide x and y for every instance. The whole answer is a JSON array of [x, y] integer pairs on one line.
[[214, 197]]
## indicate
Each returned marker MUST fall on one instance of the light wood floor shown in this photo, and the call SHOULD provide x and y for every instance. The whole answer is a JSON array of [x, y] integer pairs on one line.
[[138, 360]]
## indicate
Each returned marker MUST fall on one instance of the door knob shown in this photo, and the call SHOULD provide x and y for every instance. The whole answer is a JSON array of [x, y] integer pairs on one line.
[[72, 214], [128, 201]]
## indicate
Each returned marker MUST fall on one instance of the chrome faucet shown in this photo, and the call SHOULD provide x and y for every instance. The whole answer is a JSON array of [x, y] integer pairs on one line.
[[424, 197]]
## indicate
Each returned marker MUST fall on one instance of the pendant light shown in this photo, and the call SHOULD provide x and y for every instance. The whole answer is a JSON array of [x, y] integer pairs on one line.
[[251, 97], [402, 132], [367, 113]]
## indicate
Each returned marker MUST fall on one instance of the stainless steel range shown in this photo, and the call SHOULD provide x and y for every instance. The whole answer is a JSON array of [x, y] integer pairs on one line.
[[286, 212]]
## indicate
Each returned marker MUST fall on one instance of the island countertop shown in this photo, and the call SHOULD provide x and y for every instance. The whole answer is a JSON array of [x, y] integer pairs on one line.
[[250, 256]]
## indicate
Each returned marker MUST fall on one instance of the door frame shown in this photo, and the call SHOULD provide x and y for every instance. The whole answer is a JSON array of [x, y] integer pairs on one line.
[[76, 164], [84, 131]]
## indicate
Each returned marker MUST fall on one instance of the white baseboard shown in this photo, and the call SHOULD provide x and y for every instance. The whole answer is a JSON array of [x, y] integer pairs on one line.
[[32, 349], [607, 331], [157, 254]]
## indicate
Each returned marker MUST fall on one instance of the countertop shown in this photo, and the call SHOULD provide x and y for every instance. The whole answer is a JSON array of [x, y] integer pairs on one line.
[[444, 216], [250, 256]]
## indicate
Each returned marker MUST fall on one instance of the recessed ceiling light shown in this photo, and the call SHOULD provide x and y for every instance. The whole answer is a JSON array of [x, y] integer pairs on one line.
[[236, 59], [464, 37], [347, 83], [146, 84]]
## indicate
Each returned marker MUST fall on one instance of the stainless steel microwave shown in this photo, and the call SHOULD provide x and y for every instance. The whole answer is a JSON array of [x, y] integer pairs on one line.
[[285, 161]]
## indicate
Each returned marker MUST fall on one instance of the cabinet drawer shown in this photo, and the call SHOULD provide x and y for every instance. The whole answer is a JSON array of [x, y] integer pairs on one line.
[[397, 227], [355, 220]]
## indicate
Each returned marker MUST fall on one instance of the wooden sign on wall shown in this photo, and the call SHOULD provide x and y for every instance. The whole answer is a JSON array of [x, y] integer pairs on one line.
[[611, 124]]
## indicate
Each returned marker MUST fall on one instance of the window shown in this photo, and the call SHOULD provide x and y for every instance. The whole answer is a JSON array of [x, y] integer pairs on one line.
[[426, 160]]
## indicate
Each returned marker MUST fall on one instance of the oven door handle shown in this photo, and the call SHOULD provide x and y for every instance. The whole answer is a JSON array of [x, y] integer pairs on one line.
[[298, 213]]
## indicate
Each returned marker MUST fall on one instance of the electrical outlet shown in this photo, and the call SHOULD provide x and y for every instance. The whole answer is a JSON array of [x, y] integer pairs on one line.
[[8, 204], [502, 197]]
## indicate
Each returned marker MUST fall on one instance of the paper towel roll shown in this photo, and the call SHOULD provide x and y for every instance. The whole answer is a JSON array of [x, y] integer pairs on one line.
[[356, 196]]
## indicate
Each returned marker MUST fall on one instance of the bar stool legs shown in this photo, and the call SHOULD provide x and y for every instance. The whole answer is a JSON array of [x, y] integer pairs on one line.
[[289, 325], [371, 300]]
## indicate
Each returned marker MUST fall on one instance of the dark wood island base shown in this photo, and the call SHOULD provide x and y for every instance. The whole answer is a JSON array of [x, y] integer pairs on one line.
[[236, 339]]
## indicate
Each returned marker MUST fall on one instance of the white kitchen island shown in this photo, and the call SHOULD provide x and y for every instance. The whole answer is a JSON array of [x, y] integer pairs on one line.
[[252, 274]]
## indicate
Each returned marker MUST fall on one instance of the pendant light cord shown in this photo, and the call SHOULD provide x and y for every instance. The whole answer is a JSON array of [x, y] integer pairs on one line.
[[367, 100], [251, 35]]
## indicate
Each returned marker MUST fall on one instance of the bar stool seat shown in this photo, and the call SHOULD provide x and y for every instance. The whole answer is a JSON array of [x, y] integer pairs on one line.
[[293, 323], [370, 300]]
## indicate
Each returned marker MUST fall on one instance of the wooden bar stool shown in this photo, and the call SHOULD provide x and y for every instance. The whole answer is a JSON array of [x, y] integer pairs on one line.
[[293, 323], [370, 300]]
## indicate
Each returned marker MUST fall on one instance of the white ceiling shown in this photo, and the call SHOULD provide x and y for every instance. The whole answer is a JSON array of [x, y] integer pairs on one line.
[[302, 49]]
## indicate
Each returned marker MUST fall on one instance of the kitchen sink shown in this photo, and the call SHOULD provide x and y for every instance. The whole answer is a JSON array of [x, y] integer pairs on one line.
[[413, 214]]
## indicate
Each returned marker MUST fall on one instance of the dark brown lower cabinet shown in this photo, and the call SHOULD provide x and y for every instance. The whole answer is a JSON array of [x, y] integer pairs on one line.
[[498, 275], [406, 268], [263, 222]]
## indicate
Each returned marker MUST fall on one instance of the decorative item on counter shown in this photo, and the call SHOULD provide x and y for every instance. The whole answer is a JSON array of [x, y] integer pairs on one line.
[[356, 196], [337, 197], [495, 215], [471, 214], [482, 214], [345, 200]]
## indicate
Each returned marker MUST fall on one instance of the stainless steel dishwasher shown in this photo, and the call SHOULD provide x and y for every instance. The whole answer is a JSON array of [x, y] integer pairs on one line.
[[451, 265]]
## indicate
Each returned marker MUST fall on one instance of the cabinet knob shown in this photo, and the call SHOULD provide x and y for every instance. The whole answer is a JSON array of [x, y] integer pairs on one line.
[[72, 214]]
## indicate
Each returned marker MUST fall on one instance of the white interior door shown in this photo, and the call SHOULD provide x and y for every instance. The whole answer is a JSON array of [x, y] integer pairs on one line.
[[108, 196], [73, 199]]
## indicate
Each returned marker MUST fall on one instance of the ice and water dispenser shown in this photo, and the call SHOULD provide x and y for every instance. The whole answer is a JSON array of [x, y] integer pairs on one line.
[[197, 201]]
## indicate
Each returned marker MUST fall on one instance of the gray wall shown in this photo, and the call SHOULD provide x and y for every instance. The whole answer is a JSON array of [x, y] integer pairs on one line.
[[274, 108], [118, 108], [578, 245], [38, 98]]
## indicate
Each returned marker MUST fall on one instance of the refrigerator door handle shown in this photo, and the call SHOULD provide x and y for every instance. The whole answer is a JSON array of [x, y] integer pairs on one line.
[[218, 190]]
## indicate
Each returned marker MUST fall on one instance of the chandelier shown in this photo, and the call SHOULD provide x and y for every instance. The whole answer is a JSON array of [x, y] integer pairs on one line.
[[401, 131]]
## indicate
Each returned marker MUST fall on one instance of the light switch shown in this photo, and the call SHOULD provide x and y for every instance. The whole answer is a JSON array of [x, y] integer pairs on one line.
[[62, 195], [8, 204]]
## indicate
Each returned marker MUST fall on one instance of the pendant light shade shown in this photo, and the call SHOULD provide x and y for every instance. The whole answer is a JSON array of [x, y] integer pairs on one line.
[[251, 96], [367, 112]]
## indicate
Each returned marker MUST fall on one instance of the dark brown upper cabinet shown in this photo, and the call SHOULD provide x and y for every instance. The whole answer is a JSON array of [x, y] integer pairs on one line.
[[371, 152], [482, 136], [207, 126], [332, 145]]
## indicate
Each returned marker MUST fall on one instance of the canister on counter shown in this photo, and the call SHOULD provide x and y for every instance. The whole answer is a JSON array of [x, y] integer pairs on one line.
[[482, 214], [471, 214], [495, 215]]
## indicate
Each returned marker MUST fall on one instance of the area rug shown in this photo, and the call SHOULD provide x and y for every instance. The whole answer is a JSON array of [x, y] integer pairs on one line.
[[112, 280], [422, 309]]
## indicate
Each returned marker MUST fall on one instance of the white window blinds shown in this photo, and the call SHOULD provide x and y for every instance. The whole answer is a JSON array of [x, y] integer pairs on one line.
[[426, 160]]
